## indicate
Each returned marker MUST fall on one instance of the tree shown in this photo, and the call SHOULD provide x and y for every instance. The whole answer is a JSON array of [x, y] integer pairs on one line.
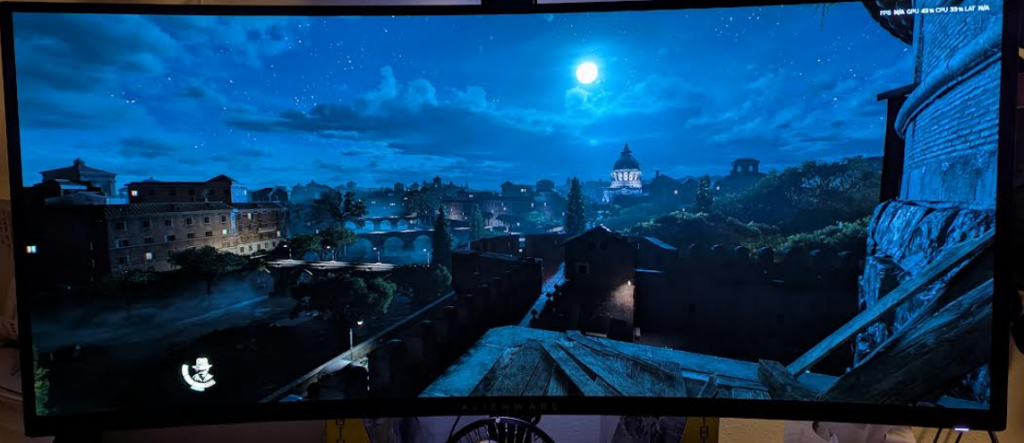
[[703, 200], [575, 215], [442, 239], [335, 237], [335, 208], [301, 244], [810, 196], [476, 224], [207, 263], [127, 284], [345, 299]]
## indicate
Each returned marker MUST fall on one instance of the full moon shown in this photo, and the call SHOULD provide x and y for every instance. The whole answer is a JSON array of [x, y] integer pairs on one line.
[[586, 73]]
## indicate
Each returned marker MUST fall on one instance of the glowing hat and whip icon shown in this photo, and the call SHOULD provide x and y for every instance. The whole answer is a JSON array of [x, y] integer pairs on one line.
[[202, 379]]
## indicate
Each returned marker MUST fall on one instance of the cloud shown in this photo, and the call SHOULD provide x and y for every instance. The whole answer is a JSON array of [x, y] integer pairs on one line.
[[147, 148], [248, 40]]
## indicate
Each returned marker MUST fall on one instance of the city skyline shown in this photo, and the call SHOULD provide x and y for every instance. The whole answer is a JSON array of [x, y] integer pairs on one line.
[[475, 100]]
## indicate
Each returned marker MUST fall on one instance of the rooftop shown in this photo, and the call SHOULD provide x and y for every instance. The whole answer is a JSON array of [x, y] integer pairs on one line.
[[164, 208], [76, 170]]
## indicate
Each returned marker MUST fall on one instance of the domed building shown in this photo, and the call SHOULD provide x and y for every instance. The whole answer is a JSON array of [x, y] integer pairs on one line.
[[625, 177]]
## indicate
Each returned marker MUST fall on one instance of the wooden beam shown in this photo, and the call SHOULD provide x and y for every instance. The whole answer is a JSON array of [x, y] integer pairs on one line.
[[651, 372], [925, 357], [613, 373], [930, 274], [576, 375], [780, 383], [710, 389]]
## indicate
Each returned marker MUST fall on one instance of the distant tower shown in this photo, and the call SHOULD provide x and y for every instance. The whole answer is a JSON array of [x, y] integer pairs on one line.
[[625, 177]]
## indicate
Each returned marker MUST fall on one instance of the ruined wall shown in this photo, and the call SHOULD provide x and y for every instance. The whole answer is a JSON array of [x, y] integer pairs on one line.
[[950, 125], [950, 120]]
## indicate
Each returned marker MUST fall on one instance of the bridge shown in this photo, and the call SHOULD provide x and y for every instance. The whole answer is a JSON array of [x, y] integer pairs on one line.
[[388, 223]]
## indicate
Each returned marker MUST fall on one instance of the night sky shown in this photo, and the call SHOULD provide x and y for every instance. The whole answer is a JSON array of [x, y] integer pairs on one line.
[[477, 100]]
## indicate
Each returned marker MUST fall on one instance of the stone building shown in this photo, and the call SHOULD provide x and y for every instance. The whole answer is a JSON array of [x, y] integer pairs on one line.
[[626, 177], [142, 235], [104, 182], [309, 192], [599, 272], [218, 189], [277, 194], [744, 175], [261, 226], [671, 193]]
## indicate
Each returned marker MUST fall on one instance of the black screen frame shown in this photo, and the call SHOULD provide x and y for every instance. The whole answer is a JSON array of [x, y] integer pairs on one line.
[[1005, 282]]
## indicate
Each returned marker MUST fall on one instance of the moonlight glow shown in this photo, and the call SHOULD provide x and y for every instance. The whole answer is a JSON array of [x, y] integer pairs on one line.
[[586, 73]]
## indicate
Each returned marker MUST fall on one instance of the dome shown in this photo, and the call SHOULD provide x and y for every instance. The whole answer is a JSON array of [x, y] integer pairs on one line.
[[626, 160]]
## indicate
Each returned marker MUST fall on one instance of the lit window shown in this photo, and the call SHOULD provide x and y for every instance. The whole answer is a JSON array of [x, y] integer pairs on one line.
[[31, 249], [676, 192], [135, 193], [249, 215], [148, 256], [522, 190], [278, 234], [224, 231]]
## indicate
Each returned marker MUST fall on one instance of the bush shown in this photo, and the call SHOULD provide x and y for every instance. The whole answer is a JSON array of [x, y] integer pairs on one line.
[[850, 236], [681, 229]]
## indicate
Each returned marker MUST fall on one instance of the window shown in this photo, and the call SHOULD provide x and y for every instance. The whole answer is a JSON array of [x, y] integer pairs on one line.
[[223, 219], [120, 226], [224, 231], [148, 256], [250, 248], [135, 193], [168, 222], [31, 249], [92, 263], [278, 234], [147, 240], [241, 250], [249, 215], [206, 220], [122, 243], [582, 267], [209, 233], [188, 221], [191, 235], [146, 224], [169, 237], [122, 260]]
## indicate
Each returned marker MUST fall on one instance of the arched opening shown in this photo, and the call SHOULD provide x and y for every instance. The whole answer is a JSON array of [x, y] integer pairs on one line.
[[393, 247], [359, 250], [421, 248], [352, 226], [402, 225], [385, 225]]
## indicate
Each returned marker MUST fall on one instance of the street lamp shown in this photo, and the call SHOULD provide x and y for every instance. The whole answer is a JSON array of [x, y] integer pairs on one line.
[[378, 254], [289, 251], [351, 336], [425, 251], [329, 252]]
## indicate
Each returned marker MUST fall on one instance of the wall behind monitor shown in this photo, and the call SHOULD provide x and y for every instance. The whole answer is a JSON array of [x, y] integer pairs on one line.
[[733, 430]]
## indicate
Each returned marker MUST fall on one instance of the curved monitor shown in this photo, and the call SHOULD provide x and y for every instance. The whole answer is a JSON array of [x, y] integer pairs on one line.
[[784, 211]]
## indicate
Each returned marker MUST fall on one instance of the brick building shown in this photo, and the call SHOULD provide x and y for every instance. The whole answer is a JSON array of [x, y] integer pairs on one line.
[[218, 189], [142, 235], [261, 226]]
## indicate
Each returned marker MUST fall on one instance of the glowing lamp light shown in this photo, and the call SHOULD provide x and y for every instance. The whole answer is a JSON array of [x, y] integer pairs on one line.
[[359, 322]]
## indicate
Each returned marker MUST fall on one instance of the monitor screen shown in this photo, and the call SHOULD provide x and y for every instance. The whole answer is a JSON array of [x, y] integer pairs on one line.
[[777, 210]]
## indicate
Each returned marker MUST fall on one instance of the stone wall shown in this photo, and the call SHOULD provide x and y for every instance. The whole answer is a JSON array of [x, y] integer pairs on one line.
[[903, 239], [950, 120]]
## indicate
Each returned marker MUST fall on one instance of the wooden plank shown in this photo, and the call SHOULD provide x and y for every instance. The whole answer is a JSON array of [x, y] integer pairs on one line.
[[710, 389], [541, 377], [925, 357], [611, 373], [746, 394], [559, 384], [664, 378], [576, 375], [780, 383], [512, 379], [491, 376], [930, 274]]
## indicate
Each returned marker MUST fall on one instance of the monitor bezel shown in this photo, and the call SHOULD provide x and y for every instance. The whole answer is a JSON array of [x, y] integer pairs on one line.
[[994, 418]]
